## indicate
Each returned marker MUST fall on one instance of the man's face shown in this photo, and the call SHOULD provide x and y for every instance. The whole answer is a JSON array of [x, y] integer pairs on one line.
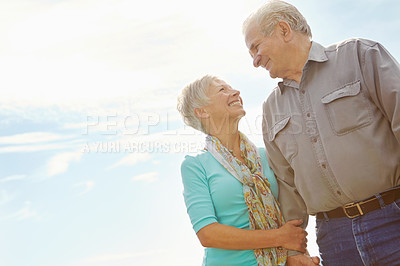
[[266, 51]]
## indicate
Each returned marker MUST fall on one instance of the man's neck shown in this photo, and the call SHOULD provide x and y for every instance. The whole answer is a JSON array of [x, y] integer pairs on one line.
[[301, 52]]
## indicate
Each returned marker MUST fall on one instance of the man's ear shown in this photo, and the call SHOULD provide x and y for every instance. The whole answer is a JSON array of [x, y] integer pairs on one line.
[[284, 30], [201, 113]]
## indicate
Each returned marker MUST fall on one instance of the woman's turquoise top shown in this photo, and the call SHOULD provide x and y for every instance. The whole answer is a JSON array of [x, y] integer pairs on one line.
[[213, 195]]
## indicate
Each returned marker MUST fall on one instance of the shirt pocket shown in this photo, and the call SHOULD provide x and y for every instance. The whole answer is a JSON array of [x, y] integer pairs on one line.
[[282, 133], [347, 108]]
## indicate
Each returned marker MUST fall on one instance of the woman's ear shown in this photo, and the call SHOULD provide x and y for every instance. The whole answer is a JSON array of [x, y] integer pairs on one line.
[[201, 113]]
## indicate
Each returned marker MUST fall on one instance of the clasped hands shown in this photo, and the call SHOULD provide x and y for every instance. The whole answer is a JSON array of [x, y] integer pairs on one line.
[[295, 238]]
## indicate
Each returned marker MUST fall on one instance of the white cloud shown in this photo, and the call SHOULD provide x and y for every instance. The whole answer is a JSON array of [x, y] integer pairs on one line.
[[37, 141], [132, 159], [5, 197], [33, 148], [22, 214], [60, 162], [87, 185], [127, 48], [113, 258], [78, 59], [147, 177], [43, 147], [12, 178], [31, 137]]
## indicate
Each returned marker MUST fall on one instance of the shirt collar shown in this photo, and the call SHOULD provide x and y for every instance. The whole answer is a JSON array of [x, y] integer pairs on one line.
[[317, 54], [288, 83]]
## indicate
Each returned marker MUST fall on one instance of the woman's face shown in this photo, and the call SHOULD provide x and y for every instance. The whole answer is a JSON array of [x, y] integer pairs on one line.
[[225, 102]]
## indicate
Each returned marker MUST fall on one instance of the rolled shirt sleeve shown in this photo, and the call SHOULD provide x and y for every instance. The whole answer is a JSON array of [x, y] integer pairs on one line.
[[381, 73]]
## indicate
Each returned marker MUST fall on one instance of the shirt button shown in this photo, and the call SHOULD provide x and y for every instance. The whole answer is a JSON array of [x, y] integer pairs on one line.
[[303, 91], [323, 166], [314, 139], [308, 114], [338, 192]]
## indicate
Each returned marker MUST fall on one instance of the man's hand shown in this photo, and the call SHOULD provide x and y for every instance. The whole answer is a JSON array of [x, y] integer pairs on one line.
[[301, 259]]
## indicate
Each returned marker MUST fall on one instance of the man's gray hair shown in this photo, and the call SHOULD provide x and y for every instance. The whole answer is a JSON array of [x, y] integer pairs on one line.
[[194, 95], [268, 15]]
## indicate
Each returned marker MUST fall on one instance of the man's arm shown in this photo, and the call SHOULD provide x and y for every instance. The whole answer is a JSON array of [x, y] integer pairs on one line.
[[291, 203], [381, 73]]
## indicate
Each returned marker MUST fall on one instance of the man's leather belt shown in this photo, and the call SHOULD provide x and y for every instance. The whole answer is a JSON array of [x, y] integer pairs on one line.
[[354, 209]]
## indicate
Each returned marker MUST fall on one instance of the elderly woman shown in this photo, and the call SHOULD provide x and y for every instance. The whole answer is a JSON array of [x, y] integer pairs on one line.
[[229, 189]]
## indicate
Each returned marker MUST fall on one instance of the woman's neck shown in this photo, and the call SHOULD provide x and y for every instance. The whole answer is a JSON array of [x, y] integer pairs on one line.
[[229, 137]]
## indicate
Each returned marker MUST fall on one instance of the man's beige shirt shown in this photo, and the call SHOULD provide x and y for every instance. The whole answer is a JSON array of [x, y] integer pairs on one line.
[[334, 138]]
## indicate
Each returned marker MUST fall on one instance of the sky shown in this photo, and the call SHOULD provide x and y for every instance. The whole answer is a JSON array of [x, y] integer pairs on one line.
[[90, 139]]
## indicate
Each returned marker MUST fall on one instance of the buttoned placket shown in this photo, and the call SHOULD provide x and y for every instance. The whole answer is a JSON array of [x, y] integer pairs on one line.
[[312, 132]]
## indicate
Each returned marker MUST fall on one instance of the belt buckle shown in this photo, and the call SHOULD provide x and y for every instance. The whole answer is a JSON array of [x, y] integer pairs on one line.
[[350, 205]]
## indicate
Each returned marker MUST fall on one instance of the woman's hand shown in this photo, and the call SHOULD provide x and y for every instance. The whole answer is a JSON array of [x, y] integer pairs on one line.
[[292, 236]]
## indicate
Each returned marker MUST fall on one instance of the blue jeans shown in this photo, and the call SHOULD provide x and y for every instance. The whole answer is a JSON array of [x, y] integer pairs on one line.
[[371, 239]]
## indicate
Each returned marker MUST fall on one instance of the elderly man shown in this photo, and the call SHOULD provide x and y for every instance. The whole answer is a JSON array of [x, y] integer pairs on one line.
[[332, 134]]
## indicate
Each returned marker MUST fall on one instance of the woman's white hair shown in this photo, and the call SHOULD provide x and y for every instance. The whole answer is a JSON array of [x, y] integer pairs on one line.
[[194, 95], [268, 15]]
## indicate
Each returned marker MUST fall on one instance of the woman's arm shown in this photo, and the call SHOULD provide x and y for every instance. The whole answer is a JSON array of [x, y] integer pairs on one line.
[[222, 236], [212, 234]]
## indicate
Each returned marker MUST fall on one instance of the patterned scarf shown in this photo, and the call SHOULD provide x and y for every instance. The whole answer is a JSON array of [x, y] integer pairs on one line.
[[264, 212]]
